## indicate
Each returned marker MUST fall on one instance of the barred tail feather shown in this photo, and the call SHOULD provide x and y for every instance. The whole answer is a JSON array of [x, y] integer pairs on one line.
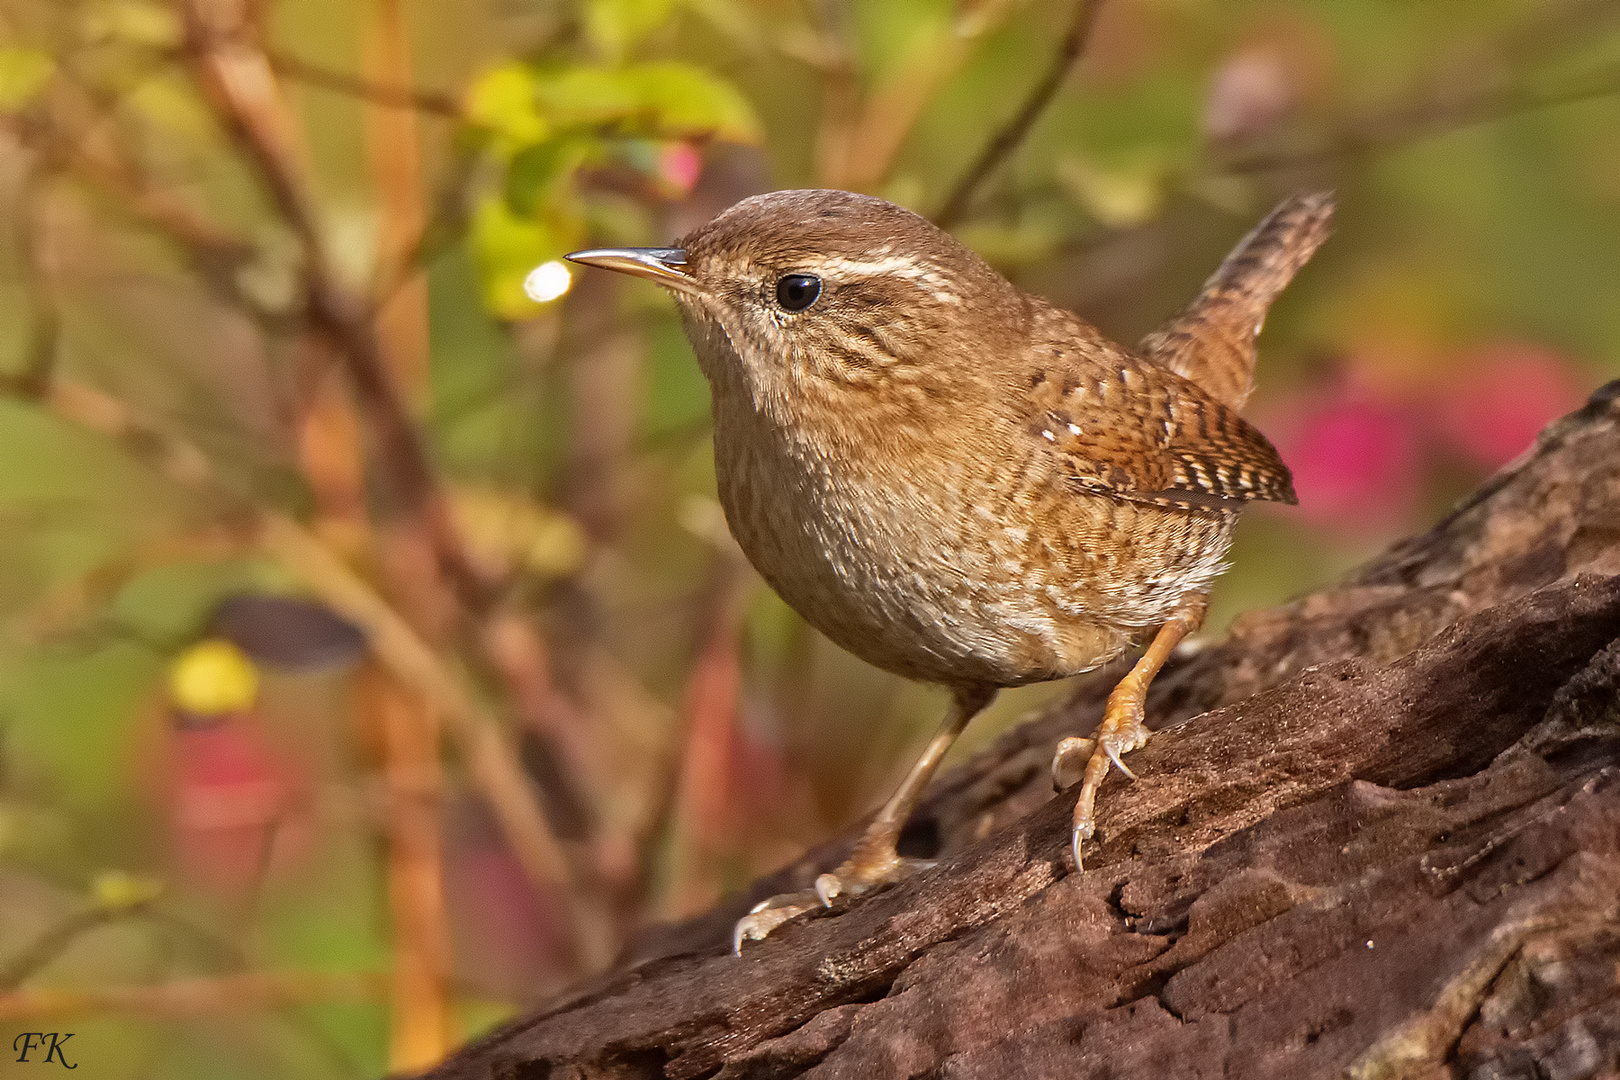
[[1211, 341]]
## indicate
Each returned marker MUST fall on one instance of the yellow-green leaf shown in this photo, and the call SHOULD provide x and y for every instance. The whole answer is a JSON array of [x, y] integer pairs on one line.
[[506, 532], [669, 100], [536, 171], [117, 890], [616, 25], [174, 105], [135, 21], [507, 247], [212, 678], [1122, 196], [23, 73], [502, 102]]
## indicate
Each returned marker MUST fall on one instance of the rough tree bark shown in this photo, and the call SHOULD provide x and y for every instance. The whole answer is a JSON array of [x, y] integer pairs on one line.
[[1382, 840]]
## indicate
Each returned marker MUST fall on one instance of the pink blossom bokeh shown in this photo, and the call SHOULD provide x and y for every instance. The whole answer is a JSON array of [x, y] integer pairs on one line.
[[1365, 452]]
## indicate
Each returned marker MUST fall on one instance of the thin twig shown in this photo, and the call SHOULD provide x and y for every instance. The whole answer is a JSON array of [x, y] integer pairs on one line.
[[434, 102], [236, 73], [240, 81], [698, 816], [216, 252], [41, 352], [1012, 133], [840, 91], [53, 941], [873, 138], [1414, 124], [484, 747], [439, 232], [490, 759], [226, 994], [419, 1022]]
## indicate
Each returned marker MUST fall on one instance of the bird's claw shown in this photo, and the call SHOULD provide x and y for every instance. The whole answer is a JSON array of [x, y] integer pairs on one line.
[[828, 886], [1082, 833], [1113, 753], [860, 875], [767, 915], [1121, 731], [1070, 751]]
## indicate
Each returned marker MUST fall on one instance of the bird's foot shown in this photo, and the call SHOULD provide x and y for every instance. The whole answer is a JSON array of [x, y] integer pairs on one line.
[[1069, 762], [1121, 731], [767, 915], [862, 875], [871, 866]]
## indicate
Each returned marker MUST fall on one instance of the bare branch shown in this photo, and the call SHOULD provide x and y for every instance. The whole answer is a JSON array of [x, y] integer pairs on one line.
[[40, 358], [433, 102], [52, 943], [490, 759], [216, 252], [1423, 121], [223, 995], [239, 78], [485, 748], [1013, 132]]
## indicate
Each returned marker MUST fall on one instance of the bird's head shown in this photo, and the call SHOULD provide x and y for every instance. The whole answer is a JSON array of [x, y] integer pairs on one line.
[[794, 288]]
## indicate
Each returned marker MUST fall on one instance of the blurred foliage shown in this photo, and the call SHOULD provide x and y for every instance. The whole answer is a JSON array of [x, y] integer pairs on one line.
[[308, 844]]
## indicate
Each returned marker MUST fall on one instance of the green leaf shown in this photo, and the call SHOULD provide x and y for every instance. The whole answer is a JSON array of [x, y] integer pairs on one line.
[[669, 100], [502, 102], [507, 248], [173, 104], [1122, 196], [119, 890], [23, 73], [136, 22], [614, 26], [537, 171]]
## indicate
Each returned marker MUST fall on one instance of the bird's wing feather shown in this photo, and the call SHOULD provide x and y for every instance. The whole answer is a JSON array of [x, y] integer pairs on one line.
[[1211, 341], [1141, 433]]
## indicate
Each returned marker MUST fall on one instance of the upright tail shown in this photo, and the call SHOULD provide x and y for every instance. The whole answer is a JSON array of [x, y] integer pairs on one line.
[[1211, 341]]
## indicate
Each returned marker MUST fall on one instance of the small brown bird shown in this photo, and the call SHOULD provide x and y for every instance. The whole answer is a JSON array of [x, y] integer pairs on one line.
[[959, 482]]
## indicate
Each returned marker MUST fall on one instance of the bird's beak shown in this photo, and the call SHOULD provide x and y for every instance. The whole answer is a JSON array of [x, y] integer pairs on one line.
[[666, 266]]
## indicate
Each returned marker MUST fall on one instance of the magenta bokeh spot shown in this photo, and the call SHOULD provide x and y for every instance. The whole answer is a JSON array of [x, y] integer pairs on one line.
[[1503, 396]]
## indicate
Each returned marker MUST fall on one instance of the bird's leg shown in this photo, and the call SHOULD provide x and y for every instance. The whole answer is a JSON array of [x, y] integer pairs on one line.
[[1122, 729], [875, 860]]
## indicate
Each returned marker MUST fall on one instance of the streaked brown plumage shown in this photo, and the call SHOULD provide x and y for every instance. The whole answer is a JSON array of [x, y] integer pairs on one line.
[[956, 480]]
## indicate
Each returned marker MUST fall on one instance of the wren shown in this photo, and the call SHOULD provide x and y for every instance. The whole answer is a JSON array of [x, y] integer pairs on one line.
[[958, 481]]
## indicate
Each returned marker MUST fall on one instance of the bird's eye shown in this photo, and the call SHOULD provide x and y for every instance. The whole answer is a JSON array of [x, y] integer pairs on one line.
[[795, 292]]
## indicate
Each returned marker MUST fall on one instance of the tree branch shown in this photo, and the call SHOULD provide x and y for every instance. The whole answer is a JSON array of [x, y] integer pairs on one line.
[[491, 760], [1424, 121], [227, 995], [239, 78], [1013, 132], [433, 102], [484, 747], [53, 941]]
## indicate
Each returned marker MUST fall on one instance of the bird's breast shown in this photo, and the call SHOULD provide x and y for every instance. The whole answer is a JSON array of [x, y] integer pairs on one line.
[[948, 569]]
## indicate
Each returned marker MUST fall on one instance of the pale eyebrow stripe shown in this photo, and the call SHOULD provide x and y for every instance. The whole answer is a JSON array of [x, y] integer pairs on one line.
[[894, 264], [898, 266]]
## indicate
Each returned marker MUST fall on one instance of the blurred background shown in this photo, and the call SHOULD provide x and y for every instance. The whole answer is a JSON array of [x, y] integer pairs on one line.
[[374, 660]]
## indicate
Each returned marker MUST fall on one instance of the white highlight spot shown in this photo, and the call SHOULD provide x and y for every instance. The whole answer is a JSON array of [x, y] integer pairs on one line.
[[547, 282], [1074, 429], [1048, 436]]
